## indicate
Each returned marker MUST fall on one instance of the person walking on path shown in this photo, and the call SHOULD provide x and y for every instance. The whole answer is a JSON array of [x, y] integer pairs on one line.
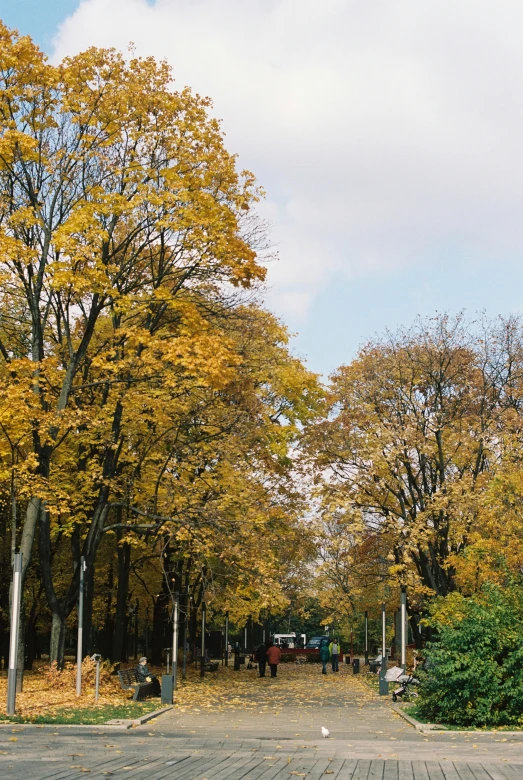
[[273, 657], [261, 657], [324, 655], [334, 649], [236, 651]]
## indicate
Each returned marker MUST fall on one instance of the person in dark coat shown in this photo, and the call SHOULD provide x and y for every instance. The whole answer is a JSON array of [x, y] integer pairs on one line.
[[143, 675], [324, 655], [261, 657], [236, 651]]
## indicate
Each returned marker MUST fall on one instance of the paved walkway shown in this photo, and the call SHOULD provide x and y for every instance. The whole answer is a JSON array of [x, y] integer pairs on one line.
[[237, 727]]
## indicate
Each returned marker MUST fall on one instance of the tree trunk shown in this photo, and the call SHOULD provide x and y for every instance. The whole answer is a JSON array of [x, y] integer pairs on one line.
[[32, 643], [160, 623], [108, 632], [88, 611], [414, 624], [193, 627], [26, 548], [57, 648], [120, 628]]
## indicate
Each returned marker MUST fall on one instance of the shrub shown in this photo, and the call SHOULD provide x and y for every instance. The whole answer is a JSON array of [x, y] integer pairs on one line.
[[289, 658], [473, 671]]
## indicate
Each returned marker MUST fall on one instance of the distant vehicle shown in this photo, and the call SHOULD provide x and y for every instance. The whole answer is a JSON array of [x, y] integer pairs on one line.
[[289, 640], [315, 642]]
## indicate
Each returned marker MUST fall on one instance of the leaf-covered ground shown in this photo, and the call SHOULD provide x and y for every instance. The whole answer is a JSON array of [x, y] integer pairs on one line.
[[303, 686], [47, 694]]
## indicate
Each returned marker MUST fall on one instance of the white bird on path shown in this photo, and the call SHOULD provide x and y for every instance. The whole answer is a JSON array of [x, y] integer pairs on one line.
[[326, 733]]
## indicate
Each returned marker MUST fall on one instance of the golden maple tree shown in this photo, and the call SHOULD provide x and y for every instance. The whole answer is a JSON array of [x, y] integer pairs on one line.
[[139, 393]]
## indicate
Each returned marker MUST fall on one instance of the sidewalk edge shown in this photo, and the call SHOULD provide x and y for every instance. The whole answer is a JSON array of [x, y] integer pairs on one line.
[[114, 725], [151, 715], [430, 728]]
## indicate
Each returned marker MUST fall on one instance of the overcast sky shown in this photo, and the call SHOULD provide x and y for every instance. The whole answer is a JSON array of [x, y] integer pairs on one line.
[[387, 134]]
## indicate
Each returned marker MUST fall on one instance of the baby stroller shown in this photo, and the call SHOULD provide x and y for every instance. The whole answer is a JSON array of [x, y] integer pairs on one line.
[[405, 682]]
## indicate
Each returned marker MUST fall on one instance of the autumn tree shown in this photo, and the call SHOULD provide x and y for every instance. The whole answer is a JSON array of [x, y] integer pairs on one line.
[[415, 433], [116, 194]]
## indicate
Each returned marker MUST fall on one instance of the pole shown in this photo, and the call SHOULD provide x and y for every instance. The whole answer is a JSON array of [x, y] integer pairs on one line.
[[185, 622], [79, 645], [403, 627], [366, 638], [97, 683], [227, 638], [384, 686], [245, 640], [136, 630], [202, 660], [14, 632], [175, 641]]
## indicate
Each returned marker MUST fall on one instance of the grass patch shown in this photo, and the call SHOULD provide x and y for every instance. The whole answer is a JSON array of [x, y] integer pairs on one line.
[[89, 716], [412, 710]]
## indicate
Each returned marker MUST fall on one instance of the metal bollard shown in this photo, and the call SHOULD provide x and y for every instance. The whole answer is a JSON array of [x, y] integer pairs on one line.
[[97, 658]]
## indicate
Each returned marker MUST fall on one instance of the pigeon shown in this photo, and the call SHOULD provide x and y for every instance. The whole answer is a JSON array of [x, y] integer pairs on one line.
[[326, 733]]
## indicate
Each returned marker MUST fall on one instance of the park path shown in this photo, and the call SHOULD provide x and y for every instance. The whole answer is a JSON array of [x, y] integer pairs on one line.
[[234, 726]]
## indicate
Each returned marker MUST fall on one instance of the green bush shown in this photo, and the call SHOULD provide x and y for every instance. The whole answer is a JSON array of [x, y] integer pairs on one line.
[[288, 658], [473, 671]]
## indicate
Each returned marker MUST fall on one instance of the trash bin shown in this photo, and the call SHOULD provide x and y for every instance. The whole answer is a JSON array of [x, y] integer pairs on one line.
[[356, 666], [167, 689]]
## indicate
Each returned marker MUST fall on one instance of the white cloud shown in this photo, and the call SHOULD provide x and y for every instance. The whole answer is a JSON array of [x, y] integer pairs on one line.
[[381, 130]]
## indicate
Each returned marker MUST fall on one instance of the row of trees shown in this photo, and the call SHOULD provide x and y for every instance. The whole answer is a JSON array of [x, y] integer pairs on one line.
[[419, 462], [149, 405], [153, 419]]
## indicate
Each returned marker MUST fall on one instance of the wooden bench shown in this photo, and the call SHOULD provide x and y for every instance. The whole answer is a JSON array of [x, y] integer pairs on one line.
[[129, 682], [212, 666]]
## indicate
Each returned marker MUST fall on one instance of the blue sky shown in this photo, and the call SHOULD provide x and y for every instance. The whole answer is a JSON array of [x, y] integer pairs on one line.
[[387, 139], [36, 18]]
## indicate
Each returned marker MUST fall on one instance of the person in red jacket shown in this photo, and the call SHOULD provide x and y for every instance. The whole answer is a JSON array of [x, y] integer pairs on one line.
[[273, 657]]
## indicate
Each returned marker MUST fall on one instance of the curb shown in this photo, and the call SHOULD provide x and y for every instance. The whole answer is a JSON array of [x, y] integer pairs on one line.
[[430, 728], [418, 725], [112, 725], [129, 724]]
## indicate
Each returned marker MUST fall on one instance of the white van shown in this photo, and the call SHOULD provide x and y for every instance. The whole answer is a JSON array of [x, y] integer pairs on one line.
[[289, 640]]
